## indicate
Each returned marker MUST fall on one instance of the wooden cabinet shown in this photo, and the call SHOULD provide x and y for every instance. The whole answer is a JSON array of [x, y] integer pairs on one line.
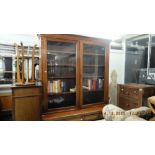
[[134, 95], [27, 103], [75, 76]]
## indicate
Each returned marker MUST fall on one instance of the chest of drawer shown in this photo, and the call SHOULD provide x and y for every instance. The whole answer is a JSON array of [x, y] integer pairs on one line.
[[134, 95]]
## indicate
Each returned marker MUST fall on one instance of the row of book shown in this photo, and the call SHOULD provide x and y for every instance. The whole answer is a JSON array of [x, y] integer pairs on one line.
[[56, 86], [94, 84], [59, 86]]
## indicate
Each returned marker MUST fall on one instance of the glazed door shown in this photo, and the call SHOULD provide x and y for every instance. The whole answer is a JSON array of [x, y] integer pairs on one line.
[[92, 71], [62, 83]]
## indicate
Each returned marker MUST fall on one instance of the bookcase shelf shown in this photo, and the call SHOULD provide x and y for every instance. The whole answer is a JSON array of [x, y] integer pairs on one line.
[[93, 66], [61, 65], [93, 54], [74, 62], [54, 52], [92, 91], [92, 76], [63, 77], [61, 93]]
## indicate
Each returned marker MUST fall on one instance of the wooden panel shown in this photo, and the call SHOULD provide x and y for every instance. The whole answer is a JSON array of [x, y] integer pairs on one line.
[[80, 118], [70, 37], [26, 91], [106, 76], [27, 109], [92, 117], [71, 118]]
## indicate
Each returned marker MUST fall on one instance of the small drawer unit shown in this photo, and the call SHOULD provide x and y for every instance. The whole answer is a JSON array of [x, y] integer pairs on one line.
[[133, 95]]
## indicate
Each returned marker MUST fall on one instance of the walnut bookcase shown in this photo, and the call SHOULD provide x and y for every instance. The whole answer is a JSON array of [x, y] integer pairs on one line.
[[75, 72]]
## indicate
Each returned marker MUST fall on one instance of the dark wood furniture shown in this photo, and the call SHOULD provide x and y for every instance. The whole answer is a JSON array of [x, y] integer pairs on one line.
[[75, 76], [26, 103], [134, 95]]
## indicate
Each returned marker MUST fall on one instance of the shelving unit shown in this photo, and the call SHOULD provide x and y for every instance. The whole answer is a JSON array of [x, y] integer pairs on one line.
[[75, 76]]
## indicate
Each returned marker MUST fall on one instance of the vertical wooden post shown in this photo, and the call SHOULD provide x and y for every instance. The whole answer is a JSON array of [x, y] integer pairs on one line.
[[27, 80], [22, 48], [33, 55], [18, 65]]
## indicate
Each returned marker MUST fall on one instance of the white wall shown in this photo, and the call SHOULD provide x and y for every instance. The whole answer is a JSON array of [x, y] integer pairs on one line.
[[27, 39], [117, 62]]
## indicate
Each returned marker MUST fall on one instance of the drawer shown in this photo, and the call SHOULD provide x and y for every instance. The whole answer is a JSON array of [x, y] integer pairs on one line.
[[133, 93], [93, 117], [75, 119], [82, 117], [129, 92], [19, 92], [128, 104]]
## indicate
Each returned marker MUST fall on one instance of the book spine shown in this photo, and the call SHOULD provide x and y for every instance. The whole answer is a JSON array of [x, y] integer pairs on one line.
[[57, 86], [100, 83], [64, 87], [94, 85], [51, 87], [48, 88], [89, 85], [97, 84]]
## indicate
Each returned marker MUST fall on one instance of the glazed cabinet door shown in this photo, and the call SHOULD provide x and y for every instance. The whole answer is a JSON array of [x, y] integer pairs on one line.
[[61, 67], [92, 73]]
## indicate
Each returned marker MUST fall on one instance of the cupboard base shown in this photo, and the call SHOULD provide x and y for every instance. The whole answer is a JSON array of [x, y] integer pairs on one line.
[[86, 114]]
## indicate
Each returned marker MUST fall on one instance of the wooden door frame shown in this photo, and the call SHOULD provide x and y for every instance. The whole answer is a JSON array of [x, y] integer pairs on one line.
[[106, 71], [44, 41]]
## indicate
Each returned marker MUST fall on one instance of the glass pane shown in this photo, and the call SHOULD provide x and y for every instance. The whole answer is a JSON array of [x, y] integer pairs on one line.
[[93, 74], [61, 67]]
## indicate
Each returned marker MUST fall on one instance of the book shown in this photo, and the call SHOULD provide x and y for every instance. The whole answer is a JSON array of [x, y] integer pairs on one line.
[[51, 87], [94, 85], [89, 85], [100, 83], [63, 86], [48, 88], [56, 86]]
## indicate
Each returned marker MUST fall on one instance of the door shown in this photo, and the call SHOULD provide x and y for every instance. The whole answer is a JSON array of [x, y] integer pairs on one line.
[[61, 58], [92, 73]]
